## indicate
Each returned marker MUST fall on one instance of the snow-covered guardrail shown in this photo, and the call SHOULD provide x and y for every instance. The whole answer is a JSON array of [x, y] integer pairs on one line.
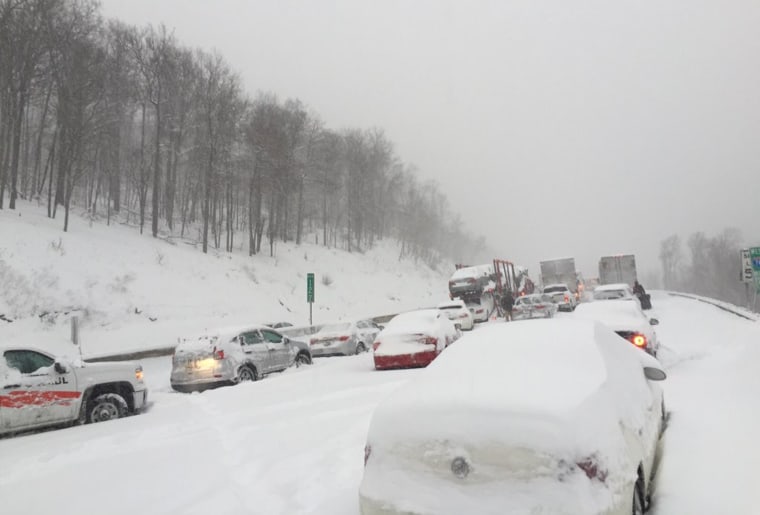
[[725, 306]]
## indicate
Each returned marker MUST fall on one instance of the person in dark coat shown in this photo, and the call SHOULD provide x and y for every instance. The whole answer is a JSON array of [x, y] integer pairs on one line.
[[638, 290], [507, 303]]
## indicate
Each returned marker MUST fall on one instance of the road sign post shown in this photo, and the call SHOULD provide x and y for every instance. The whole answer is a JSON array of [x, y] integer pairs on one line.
[[310, 294]]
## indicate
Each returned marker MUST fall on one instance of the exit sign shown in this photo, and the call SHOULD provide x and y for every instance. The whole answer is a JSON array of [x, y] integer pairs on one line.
[[310, 287]]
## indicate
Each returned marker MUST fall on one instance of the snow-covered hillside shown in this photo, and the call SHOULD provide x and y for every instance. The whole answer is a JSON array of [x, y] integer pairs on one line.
[[135, 292]]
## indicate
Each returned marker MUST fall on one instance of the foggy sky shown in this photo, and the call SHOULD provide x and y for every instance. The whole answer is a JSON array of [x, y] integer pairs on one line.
[[555, 127]]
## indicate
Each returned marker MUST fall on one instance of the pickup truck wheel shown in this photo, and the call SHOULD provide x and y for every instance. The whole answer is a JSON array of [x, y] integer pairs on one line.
[[108, 406]]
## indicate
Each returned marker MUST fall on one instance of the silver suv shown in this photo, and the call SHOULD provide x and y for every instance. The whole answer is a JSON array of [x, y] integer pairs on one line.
[[232, 355]]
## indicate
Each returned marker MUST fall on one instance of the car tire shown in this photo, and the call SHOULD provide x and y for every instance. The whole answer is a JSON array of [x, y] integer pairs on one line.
[[105, 407], [637, 503], [360, 348], [302, 359], [246, 374]]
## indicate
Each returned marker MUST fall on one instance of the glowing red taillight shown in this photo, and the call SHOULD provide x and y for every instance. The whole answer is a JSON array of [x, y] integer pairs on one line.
[[218, 354], [567, 299], [639, 340]]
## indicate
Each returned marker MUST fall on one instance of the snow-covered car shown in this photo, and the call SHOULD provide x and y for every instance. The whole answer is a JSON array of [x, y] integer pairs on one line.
[[537, 305], [39, 389], [617, 291], [555, 416], [279, 325], [625, 318], [232, 355], [458, 313], [561, 296], [470, 280], [413, 339], [347, 338]]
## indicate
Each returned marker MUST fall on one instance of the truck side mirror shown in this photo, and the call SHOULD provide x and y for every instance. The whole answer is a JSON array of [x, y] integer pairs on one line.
[[59, 368]]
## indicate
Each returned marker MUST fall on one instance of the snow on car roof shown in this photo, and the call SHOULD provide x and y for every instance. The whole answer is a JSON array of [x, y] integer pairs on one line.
[[451, 304], [556, 285], [222, 333], [472, 271], [617, 314], [549, 383], [412, 321], [615, 286]]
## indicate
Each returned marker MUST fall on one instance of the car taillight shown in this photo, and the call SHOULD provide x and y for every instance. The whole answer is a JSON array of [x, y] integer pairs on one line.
[[218, 354], [367, 452], [429, 340], [539, 306], [592, 469], [344, 338], [375, 345], [567, 299], [639, 340]]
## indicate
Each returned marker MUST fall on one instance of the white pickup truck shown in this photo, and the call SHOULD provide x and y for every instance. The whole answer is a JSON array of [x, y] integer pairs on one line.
[[38, 390]]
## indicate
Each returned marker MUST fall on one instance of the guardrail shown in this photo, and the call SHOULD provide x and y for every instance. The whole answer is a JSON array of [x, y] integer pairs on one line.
[[725, 306]]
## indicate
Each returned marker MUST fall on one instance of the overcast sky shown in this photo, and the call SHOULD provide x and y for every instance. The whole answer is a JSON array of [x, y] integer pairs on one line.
[[555, 127]]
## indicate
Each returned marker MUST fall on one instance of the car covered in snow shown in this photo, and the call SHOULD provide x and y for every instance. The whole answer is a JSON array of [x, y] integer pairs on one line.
[[233, 355], [556, 416], [39, 389], [537, 305], [562, 296], [345, 338], [413, 339], [617, 291], [458, 313], [625, 318]]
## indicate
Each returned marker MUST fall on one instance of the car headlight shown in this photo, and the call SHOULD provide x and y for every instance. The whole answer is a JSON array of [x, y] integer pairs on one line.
[[139, 374]]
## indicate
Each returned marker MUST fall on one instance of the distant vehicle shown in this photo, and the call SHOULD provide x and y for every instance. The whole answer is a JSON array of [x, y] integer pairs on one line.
[[618, 291], [538, 305], [554, 416], [38, 389], [346, 338], [458, 313], [617, 269], [562, 296], [625, 318], [279, 325], [232, 355], [413, 339], [560, 271], [481, 286]]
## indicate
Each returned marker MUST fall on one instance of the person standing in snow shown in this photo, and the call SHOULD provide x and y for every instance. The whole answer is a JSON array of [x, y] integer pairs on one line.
[[638, 290], [507, 303]]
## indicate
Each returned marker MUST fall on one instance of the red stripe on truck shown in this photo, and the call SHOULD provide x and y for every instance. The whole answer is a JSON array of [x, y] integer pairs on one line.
[[19, 399]]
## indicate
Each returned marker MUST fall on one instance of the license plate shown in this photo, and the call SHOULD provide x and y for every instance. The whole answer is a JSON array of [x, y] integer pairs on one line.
[[327, 344]]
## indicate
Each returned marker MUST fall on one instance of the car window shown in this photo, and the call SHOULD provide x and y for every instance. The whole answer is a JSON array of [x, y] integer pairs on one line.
[[27, 361], [361, 324], [271, 336], [252, 338]]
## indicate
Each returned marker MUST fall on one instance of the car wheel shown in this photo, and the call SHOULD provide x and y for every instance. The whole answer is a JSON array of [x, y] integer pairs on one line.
[[109, 406], [637, 505], [360, 347], [302, 359], [246, 373]]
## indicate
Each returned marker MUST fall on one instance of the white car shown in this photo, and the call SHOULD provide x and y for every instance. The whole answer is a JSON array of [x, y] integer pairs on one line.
[[344, 338], [536, 305], [458, 313], [555, 416], [617, 291], [625, 318], [232, 355], [413, 339], [562, 296], [39, 389]]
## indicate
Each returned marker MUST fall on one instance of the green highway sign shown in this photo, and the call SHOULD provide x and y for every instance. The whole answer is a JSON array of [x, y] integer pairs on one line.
[[754, 255], [310, 287]]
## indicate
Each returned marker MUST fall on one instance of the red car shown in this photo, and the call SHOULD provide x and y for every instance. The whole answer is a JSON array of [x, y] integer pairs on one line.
[[413, 339]]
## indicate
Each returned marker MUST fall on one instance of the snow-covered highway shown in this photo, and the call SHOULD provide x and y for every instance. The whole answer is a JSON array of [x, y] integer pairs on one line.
[[293, 443]]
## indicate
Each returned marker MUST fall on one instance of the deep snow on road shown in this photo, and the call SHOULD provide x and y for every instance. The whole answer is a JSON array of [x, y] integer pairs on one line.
[[293, 443]]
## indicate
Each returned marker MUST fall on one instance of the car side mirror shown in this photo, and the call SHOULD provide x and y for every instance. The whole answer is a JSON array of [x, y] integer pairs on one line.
[[655, 374], [285, 340], [60, 368], [653, 321]]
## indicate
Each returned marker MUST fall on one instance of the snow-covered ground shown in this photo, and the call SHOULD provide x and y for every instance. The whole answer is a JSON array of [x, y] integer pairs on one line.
[[135, 292], [293, 443]]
